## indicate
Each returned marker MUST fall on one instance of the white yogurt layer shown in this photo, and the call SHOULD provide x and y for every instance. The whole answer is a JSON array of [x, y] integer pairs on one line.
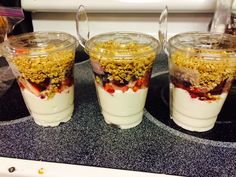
[[124, 109], [53, 111], [193, 114]]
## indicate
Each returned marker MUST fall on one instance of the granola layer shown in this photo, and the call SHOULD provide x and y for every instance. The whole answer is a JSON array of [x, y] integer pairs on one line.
[[47, 74], [128, 67], [202, 76]]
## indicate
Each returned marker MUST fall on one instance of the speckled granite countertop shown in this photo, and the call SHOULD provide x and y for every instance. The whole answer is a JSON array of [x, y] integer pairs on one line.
[[87, 140]]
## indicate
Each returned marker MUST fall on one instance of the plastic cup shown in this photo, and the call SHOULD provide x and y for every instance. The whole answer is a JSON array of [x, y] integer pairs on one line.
[[122, 64], [43, 65], [202, 68]]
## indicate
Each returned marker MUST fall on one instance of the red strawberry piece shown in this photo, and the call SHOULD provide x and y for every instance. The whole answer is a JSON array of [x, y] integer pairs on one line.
[[34, 90], [195, 90], [125, 88], [61, 88], [146, 80], [193, 95], [139, 83], [29, 86], [22, 51], [135, 88], [109, 88], [68, 82], [65, 84], [21, 85]]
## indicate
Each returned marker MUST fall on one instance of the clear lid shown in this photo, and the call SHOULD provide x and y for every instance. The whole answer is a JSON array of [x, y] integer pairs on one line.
[[204, 44], [37, 43], [123, 45]]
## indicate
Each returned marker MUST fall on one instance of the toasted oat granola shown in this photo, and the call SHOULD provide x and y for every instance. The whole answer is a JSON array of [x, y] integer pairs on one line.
[[201, 72], [123, 62], [55, 67]]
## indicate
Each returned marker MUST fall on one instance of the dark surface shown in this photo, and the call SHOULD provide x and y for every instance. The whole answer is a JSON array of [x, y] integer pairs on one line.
[[87, 140], [12, 105], [158, 96]]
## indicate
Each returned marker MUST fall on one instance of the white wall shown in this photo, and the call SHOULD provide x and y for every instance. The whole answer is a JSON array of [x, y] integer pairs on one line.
[[104, 22], [122, 15]]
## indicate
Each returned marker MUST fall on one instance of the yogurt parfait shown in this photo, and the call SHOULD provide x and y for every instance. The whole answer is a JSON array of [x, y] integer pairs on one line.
[[122, 65], [43, 65], [202, 68]]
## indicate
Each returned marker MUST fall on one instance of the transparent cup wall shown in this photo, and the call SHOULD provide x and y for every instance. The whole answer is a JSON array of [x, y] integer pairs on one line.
[[43, 65], [202, 67], [122, 65]]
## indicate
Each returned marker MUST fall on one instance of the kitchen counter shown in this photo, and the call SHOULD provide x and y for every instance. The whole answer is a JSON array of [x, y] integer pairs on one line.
[[87, 140]]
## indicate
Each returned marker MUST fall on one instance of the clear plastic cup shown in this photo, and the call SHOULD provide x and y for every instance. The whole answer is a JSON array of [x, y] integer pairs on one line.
[[122, 64], [202, 68], [43, 65]]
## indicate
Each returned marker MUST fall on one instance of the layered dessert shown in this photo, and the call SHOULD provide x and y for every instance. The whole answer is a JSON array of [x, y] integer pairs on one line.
[[47, 85], [199, 86], [121, 81]]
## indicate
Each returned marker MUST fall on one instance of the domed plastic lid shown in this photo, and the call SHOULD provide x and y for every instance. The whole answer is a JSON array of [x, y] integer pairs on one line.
[[123, 45], [204, 44], [37, 43]]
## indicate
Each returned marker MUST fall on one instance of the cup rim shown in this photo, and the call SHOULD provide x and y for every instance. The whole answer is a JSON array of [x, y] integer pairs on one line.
[[153, 41], [8, 47]]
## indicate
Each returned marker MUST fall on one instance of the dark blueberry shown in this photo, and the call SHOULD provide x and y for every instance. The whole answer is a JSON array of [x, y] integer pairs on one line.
[[104, 80], [69, 73], [42, 86], [133, 78], [186, 84], [45, 83], [119, 84]]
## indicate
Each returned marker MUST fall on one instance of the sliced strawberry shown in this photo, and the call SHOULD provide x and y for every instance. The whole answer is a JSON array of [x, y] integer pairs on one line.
[[68, 82], [195, 90], [22, 51], [125, 88], [135, 88], [61, 88], [139, 83], [146, 80], [109, 88], [34, 90], [193, 95], [21, 85], [65, 84], [30, 87]]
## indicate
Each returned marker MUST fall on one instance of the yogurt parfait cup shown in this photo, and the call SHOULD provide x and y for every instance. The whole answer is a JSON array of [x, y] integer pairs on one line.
[[202, 68], [122, 64], [43, 65]]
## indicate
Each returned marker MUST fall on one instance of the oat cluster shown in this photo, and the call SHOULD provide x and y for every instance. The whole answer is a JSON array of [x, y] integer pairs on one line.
[[55, 66], [200, 71], [123, 62]]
